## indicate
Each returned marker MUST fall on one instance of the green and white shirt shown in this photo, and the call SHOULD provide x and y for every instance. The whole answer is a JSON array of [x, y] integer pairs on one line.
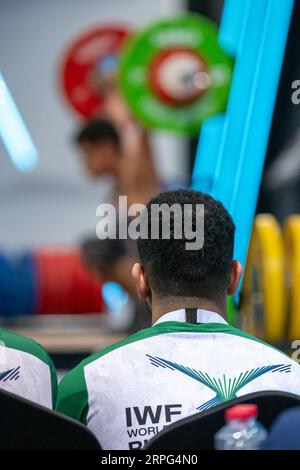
[[26, 369], [131, 390]]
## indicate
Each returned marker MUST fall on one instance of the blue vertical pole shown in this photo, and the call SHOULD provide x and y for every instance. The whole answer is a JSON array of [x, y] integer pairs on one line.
[[232, 146]]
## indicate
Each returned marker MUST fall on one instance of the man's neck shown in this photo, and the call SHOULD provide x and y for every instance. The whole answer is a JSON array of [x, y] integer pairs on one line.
[[161, 306]]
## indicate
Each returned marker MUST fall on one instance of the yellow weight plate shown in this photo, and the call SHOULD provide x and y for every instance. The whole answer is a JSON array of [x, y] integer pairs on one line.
[[263, 303], [292, 248]]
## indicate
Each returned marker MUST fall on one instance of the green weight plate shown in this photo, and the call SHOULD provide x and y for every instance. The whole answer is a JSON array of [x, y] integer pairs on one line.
[[164, 50]]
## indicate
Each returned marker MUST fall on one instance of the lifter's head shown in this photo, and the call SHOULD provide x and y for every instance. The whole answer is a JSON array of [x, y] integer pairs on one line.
[[172, 276], [110, 261], [99, 144]]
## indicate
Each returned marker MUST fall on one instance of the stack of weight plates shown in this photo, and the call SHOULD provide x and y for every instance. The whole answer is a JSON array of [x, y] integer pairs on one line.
[[64, 286], [47, 282]]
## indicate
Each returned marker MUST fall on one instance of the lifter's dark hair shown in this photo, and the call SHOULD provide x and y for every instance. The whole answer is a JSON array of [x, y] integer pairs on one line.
[[175, 271], [97, 131]]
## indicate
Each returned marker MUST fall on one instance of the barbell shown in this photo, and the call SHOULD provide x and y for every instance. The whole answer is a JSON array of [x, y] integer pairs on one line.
[[173, 74]]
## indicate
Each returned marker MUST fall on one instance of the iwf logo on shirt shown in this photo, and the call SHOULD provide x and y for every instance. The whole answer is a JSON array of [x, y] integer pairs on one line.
[[144, 422], [226, 387]]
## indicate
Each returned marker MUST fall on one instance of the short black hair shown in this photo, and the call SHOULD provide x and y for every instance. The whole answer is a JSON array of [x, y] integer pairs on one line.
[[97, 131], [175, 271], [99, 253]]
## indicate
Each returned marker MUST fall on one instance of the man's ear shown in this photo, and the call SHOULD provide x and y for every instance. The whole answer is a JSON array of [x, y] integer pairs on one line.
[[235, 276], [141, 281]]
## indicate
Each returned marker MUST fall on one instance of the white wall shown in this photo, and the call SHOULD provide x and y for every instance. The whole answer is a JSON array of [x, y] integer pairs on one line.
[[56, 202]]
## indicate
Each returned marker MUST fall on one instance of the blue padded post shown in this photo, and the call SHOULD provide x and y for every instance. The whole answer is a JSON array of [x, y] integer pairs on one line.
[[232, 146]]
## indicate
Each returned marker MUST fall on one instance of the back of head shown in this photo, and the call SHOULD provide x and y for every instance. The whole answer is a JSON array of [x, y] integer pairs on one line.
[[172, 268]]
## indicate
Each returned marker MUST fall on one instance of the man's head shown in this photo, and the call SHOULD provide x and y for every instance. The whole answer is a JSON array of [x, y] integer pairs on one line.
[[110, 261], [102, 256], [170, 273], [99, 144]]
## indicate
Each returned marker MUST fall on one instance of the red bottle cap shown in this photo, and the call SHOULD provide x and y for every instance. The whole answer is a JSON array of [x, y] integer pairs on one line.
[[241, 412]]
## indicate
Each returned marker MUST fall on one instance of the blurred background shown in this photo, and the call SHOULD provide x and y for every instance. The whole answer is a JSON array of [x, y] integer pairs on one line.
[[56, 202], [49, 288]]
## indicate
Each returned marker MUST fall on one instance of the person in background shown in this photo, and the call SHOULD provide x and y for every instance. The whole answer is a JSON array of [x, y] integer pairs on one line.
[[116, 145], [26, 369], [123, 154], [190, 359], [112, 261]]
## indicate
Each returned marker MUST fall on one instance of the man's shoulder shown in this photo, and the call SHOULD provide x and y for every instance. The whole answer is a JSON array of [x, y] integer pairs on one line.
[[269, 351], [75, 378], [76, 375], [130, 340], [72, 391], [24, 344], [176, 327], [244, 334]]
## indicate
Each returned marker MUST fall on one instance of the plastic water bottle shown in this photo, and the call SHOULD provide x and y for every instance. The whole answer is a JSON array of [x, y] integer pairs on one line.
[[242, 431]]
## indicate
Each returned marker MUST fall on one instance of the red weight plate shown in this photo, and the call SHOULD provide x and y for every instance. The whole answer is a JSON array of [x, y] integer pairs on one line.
[[47, 300], [65, 286], [89, 58], [87, 288]]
